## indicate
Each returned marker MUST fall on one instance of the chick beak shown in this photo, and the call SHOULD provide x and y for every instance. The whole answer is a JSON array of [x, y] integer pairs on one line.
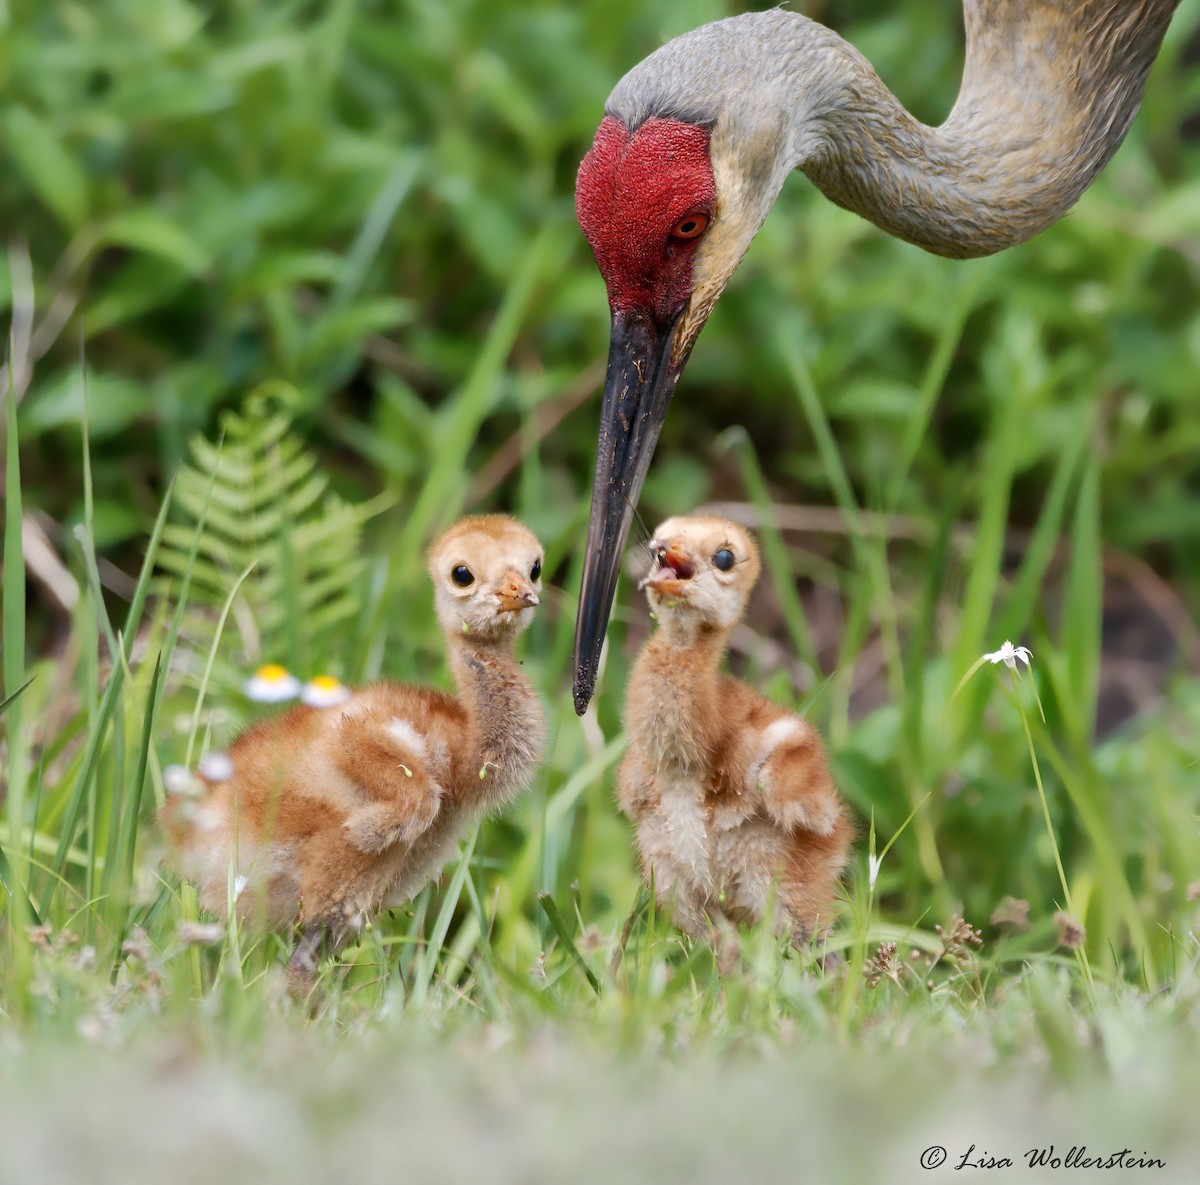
[[673, 569], [516, 593]]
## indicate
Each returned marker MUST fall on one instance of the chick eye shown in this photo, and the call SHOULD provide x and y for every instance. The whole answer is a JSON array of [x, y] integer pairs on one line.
[[462, 576], [535, 573], [723, 559], [690, 226]]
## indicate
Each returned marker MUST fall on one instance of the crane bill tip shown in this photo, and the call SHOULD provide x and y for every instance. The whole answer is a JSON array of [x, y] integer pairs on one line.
[[585, 688]]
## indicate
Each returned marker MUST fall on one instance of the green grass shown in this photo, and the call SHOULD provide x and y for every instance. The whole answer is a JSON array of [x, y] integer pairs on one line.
[[360, 220]]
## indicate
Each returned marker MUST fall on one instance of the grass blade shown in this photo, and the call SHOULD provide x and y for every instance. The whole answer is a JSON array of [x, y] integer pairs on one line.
[[84, 779], [1081, 626], [441, 926], [12, 630], [12, 699], [560, 928]]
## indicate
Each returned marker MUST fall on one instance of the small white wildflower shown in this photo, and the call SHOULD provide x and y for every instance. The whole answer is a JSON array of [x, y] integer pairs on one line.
[[216, 767], [1008, 654], [271, 684], [324, 691], [178, 779], [874, 863]]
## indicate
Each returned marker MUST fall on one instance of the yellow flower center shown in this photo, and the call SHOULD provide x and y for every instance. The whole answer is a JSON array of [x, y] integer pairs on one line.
[[325, 683], [271, 673]]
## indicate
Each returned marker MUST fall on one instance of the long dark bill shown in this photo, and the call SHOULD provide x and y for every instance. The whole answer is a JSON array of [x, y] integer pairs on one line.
[[637, 389]]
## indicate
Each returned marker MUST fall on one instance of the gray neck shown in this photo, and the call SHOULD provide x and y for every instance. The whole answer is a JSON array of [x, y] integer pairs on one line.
[[506, 720], [1049, 88]]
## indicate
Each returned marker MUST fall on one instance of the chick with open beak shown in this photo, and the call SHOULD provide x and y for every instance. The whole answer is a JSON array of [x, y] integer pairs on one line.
[[701, 574], [730, 794], [671, 567]]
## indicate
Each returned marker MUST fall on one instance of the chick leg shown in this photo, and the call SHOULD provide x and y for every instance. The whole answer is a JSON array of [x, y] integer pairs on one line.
[[302, 966]]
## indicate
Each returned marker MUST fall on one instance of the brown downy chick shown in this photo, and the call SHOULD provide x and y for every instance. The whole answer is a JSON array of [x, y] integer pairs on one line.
[[731, 795], [324, 815]]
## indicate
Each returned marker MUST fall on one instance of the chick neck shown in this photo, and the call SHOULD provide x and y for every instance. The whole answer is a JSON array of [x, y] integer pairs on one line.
[[503, 711], [679, 674]]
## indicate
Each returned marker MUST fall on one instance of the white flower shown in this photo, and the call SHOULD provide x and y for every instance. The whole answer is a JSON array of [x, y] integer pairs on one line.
[[1008, 654], [178, 779], [324, 691], [216, 767], [874, 864], [271, 684]]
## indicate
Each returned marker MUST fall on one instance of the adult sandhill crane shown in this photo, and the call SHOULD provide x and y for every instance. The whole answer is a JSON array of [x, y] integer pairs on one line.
[[698, 139]]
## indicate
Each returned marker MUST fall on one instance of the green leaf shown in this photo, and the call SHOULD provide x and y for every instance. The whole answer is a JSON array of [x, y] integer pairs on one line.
[[49, 168], [151, 231]]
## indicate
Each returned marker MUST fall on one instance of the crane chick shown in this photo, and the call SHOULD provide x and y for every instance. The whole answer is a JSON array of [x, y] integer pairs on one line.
[[731, 795], [322, 816]]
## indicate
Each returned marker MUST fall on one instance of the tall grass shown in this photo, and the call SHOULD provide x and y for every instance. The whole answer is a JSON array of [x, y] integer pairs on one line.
[[551, 890]]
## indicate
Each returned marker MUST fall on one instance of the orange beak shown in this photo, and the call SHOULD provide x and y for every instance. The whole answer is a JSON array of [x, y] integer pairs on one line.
[[673, 571], [516, 593]]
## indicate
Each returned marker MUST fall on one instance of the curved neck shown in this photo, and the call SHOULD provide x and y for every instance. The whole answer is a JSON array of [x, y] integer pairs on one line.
[[505, 717], [1049, 89], [674, 687]]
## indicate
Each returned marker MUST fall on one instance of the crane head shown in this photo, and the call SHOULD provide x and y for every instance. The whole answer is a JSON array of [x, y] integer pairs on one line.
[[647, 201]]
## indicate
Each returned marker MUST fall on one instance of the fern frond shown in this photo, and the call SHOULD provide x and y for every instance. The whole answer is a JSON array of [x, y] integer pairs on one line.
[[262, 499]]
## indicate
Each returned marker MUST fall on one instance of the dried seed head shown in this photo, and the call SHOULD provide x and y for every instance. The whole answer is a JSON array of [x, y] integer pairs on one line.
[[883, 964], [200, 933], [138, 945], [1013, 914], [1070, 932], [958, 937]]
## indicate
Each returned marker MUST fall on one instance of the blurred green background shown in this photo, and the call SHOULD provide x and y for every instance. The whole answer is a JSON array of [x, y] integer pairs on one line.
[[346, 195]]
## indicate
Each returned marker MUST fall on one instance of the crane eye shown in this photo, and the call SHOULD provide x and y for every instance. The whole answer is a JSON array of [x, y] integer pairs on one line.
[[723, 559], [535, 573], [462, 576], [690, 226]]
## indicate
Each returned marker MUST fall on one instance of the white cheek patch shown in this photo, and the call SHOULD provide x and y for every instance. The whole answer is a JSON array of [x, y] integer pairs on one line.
[[403, 732], [728, 607]]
